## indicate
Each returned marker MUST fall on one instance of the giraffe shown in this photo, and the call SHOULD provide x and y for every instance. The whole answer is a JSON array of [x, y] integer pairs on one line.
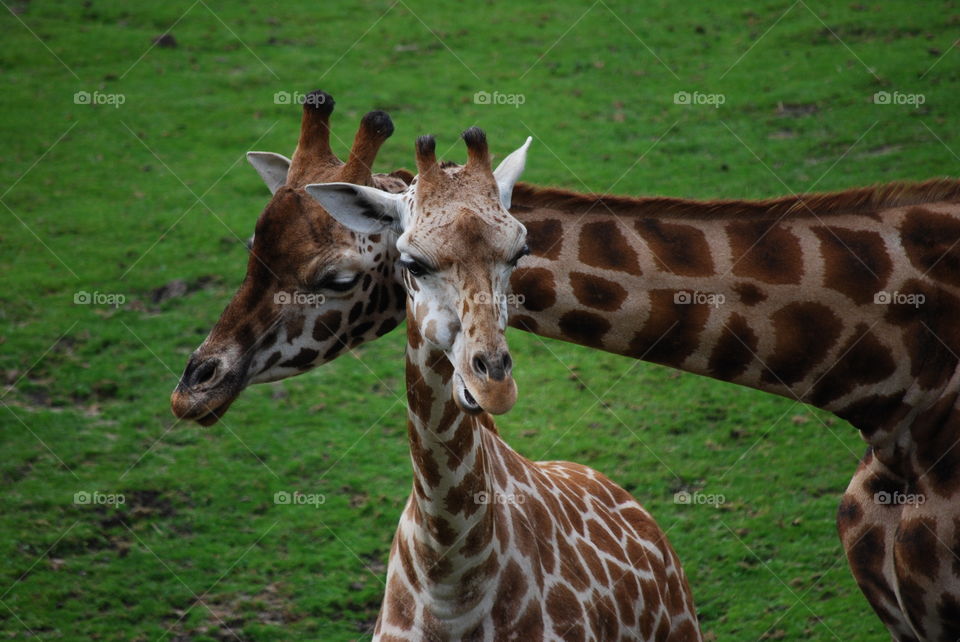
[[492, 546], [843, 301], [316, 271], [816, 297]]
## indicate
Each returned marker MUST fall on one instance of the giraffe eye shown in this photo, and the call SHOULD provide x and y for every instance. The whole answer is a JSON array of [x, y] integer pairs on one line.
[[337, 282], [525, 250], [414, 267]]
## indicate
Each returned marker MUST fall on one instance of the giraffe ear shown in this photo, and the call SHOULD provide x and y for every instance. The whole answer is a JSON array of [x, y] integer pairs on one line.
[[271, 167], [366, 210], [508, 172]]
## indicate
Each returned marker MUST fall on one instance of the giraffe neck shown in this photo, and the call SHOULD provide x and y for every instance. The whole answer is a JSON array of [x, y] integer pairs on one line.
[[781, 303], [448, 527], [492, 546]]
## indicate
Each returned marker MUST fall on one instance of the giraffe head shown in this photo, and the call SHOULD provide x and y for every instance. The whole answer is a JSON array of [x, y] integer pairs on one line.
[[309, 280], [458, 245]]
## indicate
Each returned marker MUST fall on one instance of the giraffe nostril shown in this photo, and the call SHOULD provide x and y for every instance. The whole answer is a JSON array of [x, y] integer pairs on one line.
[[205, 372], [507, 362], [480, 365]]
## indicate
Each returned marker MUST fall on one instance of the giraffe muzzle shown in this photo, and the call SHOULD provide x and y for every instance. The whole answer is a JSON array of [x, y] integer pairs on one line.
[[205, 391], [475, 394]]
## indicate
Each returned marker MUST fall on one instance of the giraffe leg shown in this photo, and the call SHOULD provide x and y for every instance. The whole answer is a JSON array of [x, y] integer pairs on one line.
[[867, 521]]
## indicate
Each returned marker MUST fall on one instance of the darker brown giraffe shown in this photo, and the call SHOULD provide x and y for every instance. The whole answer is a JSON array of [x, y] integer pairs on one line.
[[307, 276], [492, 546], [845, 301], [819, 303]]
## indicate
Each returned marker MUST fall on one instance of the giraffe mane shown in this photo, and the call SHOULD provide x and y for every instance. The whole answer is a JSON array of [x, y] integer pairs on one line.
[[851, 201]]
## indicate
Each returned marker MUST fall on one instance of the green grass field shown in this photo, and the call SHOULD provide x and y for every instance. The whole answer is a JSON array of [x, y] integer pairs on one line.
[[122, 199]]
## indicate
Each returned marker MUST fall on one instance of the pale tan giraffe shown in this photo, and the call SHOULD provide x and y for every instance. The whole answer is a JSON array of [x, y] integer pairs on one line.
[[492, 546], [819, 304]]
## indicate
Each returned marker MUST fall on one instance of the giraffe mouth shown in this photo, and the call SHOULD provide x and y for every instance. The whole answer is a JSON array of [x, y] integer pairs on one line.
[[214, 415], [202, 412], [465, 400]]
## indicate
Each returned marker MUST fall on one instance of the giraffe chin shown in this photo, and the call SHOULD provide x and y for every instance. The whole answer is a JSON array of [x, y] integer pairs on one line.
[[495, 398], [214, 415]]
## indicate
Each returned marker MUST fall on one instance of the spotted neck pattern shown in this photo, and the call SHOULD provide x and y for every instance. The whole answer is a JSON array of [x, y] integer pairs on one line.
[[845, 301], [781, 298], [492, 546]]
